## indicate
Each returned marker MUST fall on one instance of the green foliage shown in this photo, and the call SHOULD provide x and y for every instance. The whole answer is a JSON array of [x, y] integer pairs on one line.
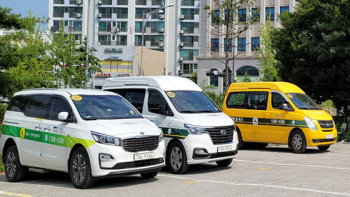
[[266, 54], [3, 108], [93, 62], [9, 20], [327, 104], [193, 77], [313, 50], [2, 167], [246, 77], [217, 99]]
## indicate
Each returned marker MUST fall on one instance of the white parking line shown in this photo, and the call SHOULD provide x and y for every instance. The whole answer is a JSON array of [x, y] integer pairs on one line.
[[288, 164], [257, 185], [14, 194]]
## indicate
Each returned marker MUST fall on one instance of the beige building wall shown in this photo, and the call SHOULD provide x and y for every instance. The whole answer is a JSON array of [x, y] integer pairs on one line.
[[154, 62]]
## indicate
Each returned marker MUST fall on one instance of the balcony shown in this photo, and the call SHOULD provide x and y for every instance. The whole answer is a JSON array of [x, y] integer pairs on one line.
[[104, 29], [119, 16], [106, 2], [189, 17], [187, 71], [158, 2], [121, 43], [58, 2], [187, 3], [138, 16], [104, 42], [138, 29], [141, 2], [188, 44], [75, 29], [74, 14], [191, 31], [155, 43], [138, 43]]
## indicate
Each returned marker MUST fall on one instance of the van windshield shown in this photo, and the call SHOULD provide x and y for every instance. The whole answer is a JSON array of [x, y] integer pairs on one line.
[[192, 102], [303, 101], [93, 107]]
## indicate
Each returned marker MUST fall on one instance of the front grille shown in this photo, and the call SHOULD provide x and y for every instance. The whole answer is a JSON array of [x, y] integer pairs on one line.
[[140, 144], [323, 140], [326, 124], [220, 135]]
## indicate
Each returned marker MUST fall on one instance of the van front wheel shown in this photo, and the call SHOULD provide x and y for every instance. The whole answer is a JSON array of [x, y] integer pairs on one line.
[[298, 142], [177, 159], [80, 169]]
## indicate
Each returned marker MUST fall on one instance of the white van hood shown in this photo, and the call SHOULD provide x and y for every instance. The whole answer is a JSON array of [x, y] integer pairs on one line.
[[208, 119], [123, 127]]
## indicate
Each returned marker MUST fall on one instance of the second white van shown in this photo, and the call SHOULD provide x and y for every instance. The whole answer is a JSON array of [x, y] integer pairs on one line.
[[194, 128]]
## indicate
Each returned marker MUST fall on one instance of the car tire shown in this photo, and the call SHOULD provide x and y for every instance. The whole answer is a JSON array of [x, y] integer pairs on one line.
[[224, 163], [13, 169], [177, 158], [323, 147], [261, 145], [149, 175], [80, 169], [240, 141], [298, 142]]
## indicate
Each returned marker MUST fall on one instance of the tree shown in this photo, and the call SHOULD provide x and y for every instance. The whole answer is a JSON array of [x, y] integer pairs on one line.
[[228, 18], [94, 65], [24, 53], [193, 77], [313, 49], [266, 54], [9, 20]]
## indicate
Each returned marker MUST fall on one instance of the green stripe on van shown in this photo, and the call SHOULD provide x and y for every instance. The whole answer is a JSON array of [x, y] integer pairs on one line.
[[175, 133], [271, 122], [45, 137]]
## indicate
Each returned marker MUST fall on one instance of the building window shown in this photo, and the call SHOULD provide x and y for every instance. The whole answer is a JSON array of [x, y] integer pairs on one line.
[[255, 43], [229, 45], [242, 15], [249, 70], [284, 9], [214, 80], [194, 66], [215, 44], [255, 14], [241, 44], [270, 12]]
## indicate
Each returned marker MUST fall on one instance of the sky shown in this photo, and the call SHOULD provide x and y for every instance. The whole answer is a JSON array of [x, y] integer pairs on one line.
[[39, 8]]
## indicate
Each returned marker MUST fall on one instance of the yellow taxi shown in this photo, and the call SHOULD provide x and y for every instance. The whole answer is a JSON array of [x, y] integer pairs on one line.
[[280, 113]]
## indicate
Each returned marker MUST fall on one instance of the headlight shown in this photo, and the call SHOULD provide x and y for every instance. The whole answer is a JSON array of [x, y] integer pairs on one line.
[[161, 137], [310, 123], [196, 130], [106, 139]]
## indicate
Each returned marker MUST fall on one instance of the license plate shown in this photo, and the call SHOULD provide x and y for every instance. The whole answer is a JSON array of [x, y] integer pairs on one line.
[[224, 149], [143, 156], [330, 136]]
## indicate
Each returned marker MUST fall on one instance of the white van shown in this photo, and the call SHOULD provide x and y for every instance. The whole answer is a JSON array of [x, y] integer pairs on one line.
[[195, 130], [87, 133]]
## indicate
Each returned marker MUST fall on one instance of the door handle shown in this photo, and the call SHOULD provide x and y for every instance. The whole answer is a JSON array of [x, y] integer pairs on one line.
[[38, 127], [47, 129]]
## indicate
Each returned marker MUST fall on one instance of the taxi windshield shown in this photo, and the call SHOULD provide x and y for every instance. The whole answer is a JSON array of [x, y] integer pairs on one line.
[[192, 102], [303, 101], [93, 107]]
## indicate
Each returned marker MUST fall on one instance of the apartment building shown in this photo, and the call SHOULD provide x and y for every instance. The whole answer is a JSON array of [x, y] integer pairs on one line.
[[114, 28], [212, 41]]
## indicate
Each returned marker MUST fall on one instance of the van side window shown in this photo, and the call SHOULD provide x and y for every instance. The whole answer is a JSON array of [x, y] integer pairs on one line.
[[135, 97], [277, 100], [18, 103], [257, 100], [58, 106], [236, 100], [38, 106], [155, 99]]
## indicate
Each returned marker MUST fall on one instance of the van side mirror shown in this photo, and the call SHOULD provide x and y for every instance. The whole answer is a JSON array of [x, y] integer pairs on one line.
[[287, 107], [63, 116], [165, 110], [162, 109]]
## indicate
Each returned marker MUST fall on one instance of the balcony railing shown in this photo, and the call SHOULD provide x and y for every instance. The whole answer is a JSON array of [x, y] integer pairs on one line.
[[189, 17], [108, 15], [123, 29], [158, 2], [74, 29], [138, 29], [187, 3], [138, 43], [106, 29], [122, 16], [105, 42], [187, 57], [188, 44], [121, 43], [58, 15], [122, 2], [141, 2], [188, 31], [187, 71], [155, 43], [138, 16], [106, 2], [58, 2]]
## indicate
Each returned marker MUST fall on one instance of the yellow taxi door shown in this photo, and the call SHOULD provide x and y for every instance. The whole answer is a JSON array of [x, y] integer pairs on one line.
[[279, 118]]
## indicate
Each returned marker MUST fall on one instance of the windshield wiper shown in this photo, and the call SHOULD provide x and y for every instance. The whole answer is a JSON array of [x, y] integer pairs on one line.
[[90, 119], [184, 111], [303, 108], [208, 111]]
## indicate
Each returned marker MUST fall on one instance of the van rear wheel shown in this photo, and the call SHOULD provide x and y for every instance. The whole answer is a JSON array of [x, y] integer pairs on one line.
[[177, 159], [13, 168], [298, 142], [323, 147], [240, 141], [80, 169]]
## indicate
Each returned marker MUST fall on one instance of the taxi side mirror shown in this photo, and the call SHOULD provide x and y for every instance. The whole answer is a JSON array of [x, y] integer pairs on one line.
[[287, 107], [63, 116]]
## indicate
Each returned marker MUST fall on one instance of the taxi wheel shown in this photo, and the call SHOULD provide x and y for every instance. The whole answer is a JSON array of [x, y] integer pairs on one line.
[[177, 159], [80, 169], [224, 163], [149, 175], [298, 142], [323, 147], [261, 145], [13, 168], [240, 141]]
